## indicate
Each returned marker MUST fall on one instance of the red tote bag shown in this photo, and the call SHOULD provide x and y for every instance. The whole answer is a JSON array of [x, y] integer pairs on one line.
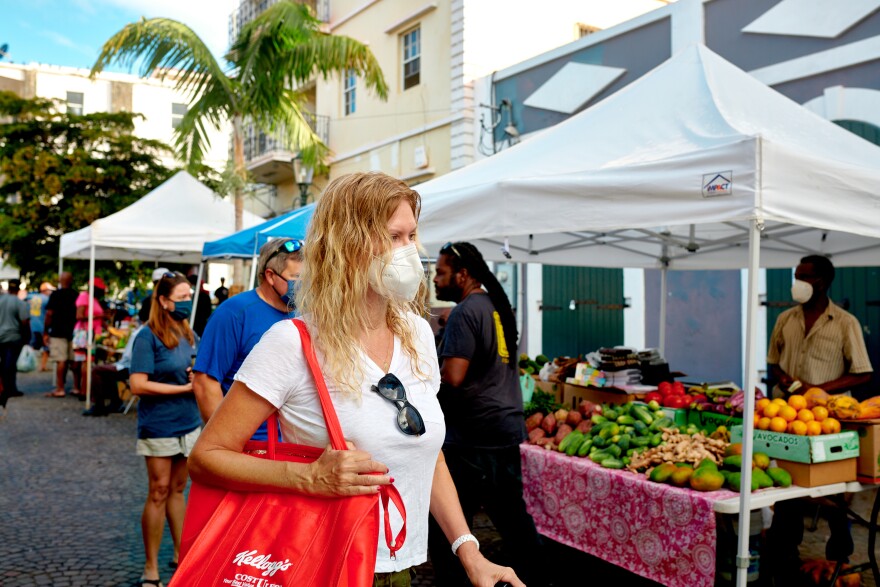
[[235, 538]]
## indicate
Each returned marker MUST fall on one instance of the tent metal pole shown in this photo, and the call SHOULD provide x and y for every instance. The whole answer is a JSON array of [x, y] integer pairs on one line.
[[198, 289], [524, 310], [253, 280], [742, 551], [663, 295], [90, 313]]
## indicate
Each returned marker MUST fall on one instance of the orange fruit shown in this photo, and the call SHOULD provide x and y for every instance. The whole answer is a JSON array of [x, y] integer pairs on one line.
[[830, 426], [762, 403], [763, 423], [788, 413], [814, 428], [779, 402], [778, 424], [798, 402], [772, 410], [798, 427], [820, 413], [805, 415]]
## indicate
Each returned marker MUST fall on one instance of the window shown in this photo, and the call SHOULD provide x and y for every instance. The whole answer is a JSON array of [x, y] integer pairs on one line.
[[75, 103], [177, 113], [412, 52], [349, 91]]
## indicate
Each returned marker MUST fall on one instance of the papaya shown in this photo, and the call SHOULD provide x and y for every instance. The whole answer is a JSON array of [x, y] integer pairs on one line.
[[661, 473], [870, 408], [762, 479], [761, 460], [816, 396], [706, 479], [734, 448], [707, 462], [844, 407], [681, 476], [781, 477], [734, 480], [733, 462]]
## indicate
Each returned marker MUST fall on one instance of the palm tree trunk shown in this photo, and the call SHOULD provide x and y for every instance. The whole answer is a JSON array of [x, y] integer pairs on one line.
[[238, 273]]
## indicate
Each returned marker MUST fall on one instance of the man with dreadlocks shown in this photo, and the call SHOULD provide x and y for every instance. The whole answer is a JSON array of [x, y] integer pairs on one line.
[[482, 403]]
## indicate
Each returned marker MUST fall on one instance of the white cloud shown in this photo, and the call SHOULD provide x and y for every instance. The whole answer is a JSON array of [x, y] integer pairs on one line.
[[208, 18], [60, 39]]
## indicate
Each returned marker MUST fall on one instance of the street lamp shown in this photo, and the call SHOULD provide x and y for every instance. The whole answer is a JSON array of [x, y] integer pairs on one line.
[[302, 175]]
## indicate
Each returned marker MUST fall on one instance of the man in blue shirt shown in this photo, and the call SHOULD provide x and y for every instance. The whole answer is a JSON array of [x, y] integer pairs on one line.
[[237, 325]]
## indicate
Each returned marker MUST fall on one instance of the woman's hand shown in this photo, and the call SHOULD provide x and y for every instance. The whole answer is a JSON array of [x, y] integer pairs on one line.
[[343, 473], [481, 571]]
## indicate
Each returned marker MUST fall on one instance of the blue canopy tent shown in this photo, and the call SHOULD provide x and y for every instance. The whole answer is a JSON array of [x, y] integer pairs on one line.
[[245, 244]]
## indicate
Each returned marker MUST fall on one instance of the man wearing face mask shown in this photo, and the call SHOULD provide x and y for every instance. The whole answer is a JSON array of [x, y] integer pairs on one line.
[[482, 403], [819, 344], [239, 323]]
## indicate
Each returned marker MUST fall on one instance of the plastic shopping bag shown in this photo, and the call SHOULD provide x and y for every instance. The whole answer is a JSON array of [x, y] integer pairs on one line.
[[27, 360]]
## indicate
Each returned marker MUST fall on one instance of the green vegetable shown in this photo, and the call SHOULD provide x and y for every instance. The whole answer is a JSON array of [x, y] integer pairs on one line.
[[541, 402], [612, 463], [642, 414], [626, 420], [584, 449]]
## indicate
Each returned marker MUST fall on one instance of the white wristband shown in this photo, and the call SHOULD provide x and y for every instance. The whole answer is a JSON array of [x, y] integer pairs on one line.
[[461, 540]]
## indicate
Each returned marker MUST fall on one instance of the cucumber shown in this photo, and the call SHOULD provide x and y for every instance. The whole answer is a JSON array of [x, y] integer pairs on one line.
[[640, 441], [614, 450], [626, 420], [600, 442], [661, 423], [609, 431], [598, 419], [611, 414], [642, 415], [640, 427], [572, 446], [566, 442], [584, 449], [615, 439], [599, 456], [612, 463], [624, 442], [629, 430], [656, 439]]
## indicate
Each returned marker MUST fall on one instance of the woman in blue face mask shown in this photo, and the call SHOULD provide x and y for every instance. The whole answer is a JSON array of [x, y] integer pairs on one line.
[[168, 416]]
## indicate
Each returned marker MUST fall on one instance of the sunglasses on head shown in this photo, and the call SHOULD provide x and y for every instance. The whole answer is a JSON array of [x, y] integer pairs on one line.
[[288, 246], [450, 247], [409, 420], [171, 275]]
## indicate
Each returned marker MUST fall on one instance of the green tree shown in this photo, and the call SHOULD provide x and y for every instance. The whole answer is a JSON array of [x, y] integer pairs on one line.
[[274, 55], [59, 172]]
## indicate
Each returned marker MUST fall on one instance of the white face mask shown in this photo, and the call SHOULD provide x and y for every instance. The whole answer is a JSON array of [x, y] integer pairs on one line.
[[401, 277], [801, 291]]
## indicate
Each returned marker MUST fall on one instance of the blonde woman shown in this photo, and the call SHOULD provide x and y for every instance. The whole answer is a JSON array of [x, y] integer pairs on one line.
[[360, 282]]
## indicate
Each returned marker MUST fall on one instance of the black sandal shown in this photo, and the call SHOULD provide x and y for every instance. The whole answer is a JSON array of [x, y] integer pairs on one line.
[[152, 582]]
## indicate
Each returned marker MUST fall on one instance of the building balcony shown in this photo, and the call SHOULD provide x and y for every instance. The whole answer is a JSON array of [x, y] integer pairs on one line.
[[268, 157]]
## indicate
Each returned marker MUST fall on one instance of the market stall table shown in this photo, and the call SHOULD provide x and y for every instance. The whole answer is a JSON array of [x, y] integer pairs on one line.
[[661, 532]]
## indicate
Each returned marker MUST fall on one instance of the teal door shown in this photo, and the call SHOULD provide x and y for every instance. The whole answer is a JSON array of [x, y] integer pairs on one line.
[[597, 317]]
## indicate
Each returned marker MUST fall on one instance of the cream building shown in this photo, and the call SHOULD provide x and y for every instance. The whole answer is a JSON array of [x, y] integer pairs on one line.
[[158, 102], [430, 51]]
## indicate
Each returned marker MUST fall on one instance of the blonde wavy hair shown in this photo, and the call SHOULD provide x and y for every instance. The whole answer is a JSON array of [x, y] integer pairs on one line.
[[348, 230]]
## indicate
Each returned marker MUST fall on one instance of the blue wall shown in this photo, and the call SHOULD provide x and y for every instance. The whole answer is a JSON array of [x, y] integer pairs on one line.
[[703, 323]]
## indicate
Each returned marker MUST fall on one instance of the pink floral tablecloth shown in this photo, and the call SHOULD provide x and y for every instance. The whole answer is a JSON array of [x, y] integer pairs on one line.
[[661, 532]]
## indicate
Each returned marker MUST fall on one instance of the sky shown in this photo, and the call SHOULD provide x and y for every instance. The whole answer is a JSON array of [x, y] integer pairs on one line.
[[71, 32]]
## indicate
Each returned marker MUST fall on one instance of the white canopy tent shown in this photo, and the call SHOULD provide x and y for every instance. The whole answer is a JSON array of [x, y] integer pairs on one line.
[[170, 224], [696, 165]]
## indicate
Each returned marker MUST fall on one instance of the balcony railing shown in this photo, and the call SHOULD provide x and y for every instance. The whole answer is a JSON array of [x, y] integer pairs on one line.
[[258, 143]]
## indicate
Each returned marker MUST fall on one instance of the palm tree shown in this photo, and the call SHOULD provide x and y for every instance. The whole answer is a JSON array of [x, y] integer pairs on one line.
[[274, 55]]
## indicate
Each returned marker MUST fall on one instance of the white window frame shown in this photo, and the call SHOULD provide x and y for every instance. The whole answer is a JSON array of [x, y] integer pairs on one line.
[[177, 117], [76, 108], [349, 92], [411, 52]]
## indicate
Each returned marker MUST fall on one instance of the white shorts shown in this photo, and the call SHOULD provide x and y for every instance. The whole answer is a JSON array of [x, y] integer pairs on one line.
[[168, 447]]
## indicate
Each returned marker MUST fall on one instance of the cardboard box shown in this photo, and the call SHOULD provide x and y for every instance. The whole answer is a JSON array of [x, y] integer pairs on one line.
[[869, 446], [709, 421], [573, 394], [812, 475], [803, 449]]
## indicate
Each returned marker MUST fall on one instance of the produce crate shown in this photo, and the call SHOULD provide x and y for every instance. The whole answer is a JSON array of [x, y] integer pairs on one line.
[[550, 387], [812, 475], [709, 421], [869, 446], [678, 415], [573, 394], [803, 449]]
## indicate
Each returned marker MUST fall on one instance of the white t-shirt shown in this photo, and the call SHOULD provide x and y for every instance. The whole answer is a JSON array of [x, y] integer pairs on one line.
[[276, 369]]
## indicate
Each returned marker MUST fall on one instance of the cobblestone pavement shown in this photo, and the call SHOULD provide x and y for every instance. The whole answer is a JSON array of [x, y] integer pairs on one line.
[[72, 490]]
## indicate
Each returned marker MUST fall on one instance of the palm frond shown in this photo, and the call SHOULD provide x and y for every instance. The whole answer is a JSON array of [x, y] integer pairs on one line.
[[210, 110], [163, 46]]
